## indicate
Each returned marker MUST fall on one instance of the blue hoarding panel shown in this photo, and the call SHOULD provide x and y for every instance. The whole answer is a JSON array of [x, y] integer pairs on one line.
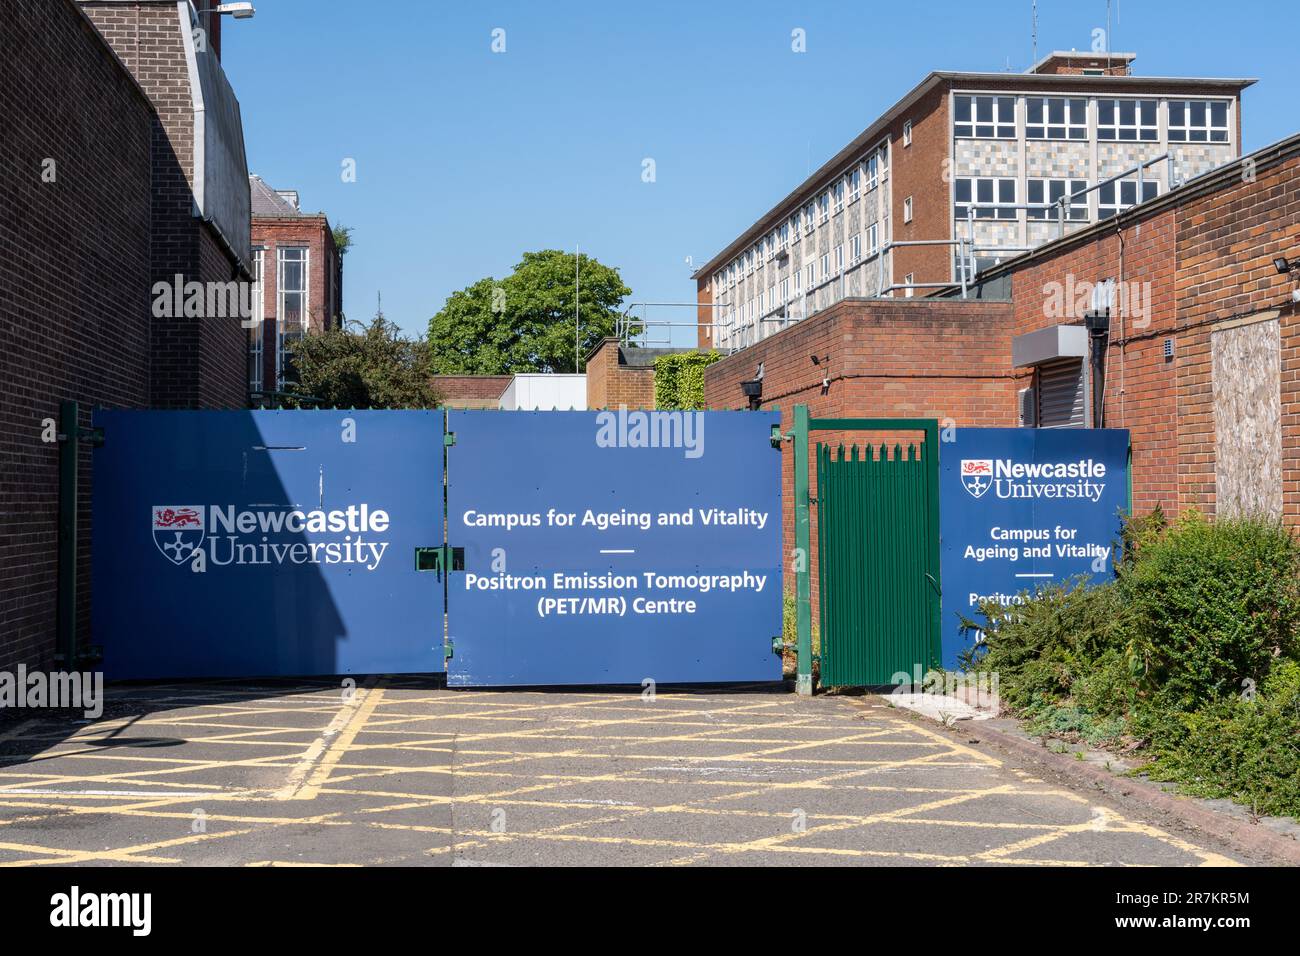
[[266, 543], [1023, 507], [592, 557]]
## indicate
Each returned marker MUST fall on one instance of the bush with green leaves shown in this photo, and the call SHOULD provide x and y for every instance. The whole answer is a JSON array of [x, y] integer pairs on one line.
[[1245, 747], [1211, 605], [1190, 653], [1042, 647], [679, 379]]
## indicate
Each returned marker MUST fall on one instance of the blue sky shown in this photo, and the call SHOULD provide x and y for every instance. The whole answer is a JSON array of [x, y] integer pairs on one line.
[[466, 158]]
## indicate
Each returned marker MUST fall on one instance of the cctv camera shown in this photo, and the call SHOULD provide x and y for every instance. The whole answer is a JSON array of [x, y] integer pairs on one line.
[[1295, 295]]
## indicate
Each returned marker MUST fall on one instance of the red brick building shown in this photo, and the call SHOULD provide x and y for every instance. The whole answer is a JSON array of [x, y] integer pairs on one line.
[[102, 198], [622, 377], [963, 172], [1200, 359], [298, 281]]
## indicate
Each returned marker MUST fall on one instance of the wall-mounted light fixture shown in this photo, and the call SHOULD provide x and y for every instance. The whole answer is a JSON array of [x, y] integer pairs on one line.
[[823, 363], [752, 389]]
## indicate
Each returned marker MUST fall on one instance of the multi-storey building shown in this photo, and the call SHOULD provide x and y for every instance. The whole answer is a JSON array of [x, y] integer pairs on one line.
[[297, 282], [964, 171]]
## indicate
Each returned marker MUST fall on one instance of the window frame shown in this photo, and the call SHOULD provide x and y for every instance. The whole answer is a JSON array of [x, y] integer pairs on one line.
[[1117, 127], [1068, 127], [281, 291], [998, 126], [1183, 131], [1151, 186], [986, 215], [1078, 211]]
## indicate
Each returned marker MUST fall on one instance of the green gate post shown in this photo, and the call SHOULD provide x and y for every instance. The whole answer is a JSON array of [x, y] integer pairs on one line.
[[65, 610], [803, 586]]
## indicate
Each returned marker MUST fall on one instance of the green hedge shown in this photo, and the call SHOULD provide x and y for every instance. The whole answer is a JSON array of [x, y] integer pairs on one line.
[[1189, 657], [679, 379]]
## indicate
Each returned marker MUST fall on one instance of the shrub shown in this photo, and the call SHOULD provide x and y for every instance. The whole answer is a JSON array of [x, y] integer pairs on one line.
[[1245, 748], [1042, 647], [1211, 604], [679, 379]]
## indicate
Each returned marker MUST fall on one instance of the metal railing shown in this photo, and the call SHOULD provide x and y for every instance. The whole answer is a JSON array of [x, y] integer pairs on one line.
[[738, 335]]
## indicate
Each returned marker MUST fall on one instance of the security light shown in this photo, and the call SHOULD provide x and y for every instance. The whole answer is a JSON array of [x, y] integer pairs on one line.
[[240, 11], [1282, 265]]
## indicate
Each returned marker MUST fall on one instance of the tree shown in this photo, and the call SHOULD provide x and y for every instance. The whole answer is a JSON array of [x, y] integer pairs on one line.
[[363, 366], [342, 239], [525, 322]]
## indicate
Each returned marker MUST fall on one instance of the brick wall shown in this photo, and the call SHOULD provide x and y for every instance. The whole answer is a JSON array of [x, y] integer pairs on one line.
[[918, 171], [612, 383], [75, 313], [1227, 239], [1141, 392], [901, 358], [324, 291], [198, 362], [470, 391]]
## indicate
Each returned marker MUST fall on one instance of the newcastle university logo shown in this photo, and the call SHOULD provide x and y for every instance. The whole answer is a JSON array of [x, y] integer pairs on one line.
[[977, 475], [178, 530]]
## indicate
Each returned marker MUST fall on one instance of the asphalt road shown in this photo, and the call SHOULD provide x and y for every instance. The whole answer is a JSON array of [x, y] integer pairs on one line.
[[404, 772]]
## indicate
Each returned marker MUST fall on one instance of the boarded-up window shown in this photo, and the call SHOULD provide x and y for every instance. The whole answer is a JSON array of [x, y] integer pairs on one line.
[[1247, 375], [1061, 395]]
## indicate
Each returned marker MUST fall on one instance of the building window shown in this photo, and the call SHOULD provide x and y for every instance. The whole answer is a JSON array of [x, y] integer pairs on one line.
[[1127, 120], [794, 228], [838, 191], [811, 277], [1056, 117], [855, 249], [808, 218], [826, 266], [798, 281], [907, 209], [873, 239], [824, 207], [907, 284], [873, 170], [907, 133], [1198, 121], [1051, 191], [256, 328], [291, 315], [984, 117], [784, 239], [983, 193], [785, 290], [1113, 198], [839, 258], [855, 184]]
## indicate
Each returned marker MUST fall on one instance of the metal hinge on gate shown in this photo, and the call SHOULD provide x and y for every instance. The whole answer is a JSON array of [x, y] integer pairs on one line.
[[442, 558], [447, 649], [449, 439]]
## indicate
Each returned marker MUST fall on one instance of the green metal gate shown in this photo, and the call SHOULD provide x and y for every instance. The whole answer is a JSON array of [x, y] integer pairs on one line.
[[878, 554]]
